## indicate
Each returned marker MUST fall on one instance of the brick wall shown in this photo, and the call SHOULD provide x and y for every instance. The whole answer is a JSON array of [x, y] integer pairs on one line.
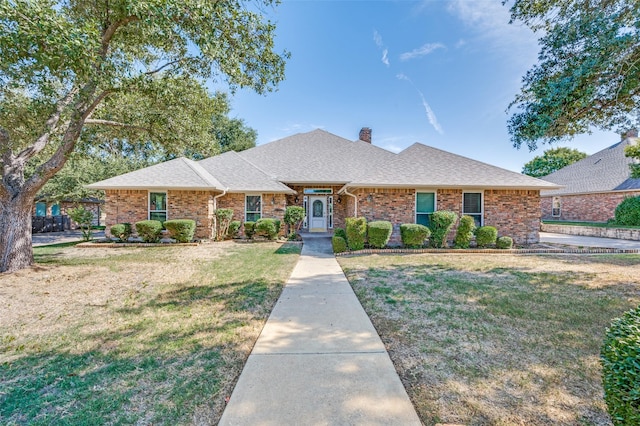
[[125, 205], [514, 213], [393, 205], [194, 205], [587, 207]]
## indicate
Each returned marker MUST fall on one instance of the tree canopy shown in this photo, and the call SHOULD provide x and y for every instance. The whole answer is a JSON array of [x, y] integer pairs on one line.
[[552, 160], [588, 73]]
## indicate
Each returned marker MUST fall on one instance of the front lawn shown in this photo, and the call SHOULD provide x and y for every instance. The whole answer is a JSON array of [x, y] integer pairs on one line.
[[97, 336], [498, 340]]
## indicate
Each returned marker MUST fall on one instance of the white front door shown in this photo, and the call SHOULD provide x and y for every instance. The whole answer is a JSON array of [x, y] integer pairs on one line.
[[318, 214]]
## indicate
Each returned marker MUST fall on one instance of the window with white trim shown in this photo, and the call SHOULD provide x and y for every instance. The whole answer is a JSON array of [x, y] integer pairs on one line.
[[472, 206], [252, 208], [555, 207], [158, 206], [425, 206]]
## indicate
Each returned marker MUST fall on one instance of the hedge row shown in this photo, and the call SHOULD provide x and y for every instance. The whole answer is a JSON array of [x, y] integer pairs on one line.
[[150, 231]]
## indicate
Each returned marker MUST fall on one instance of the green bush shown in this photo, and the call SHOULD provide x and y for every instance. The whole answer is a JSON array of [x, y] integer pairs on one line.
[[222, 223], [413, 235], [464, 233], [486, 236], [339, 244], [181, 230], [340, 232], [266, 227], [278, 224], [356, 232], [149, 230], [620, 357], [440, 224], [378, 233], [234, 226], [249, 229], [122, 231], [293, 217], [504, 243], [84, 219], [628, 212]]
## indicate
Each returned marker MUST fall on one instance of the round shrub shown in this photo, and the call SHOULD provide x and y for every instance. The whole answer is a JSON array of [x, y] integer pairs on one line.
[[356, 232], [266, 227], [504, 243], [413, 235], [339, 244], [464, 233], [234, 226], [122, 231], [441, 223], [620, 357], [378, 233], [628, 212], [293, 217], [181, 230], [340, 232], [486, 236], [149, 230], [249, 229]]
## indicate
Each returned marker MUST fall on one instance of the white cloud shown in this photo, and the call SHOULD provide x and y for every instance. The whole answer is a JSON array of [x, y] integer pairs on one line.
[[431, 116], [377, 39], [421, 51], [385, 57]]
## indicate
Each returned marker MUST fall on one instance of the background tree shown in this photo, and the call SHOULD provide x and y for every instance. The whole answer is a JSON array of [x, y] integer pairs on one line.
[[552, 160], [588, 73], [127, 67]]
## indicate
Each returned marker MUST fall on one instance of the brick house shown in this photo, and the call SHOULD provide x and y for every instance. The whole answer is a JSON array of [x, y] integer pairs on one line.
[[593, 187], [331, 178]]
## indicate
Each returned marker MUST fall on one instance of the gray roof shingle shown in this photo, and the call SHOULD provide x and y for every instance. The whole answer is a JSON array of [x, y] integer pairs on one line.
[[604, 171]]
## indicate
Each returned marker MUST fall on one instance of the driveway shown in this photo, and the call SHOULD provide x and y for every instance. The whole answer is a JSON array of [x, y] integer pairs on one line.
[[582, 241], [48, 238]]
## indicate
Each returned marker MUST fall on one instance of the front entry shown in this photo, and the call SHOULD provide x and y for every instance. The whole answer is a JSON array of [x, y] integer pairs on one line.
[[318, 214]]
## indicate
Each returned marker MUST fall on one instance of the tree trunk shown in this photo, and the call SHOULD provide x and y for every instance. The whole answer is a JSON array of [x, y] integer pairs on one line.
[[15, 233]]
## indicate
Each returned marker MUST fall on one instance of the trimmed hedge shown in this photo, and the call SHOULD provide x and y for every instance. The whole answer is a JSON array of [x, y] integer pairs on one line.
[[464, 233], [356, 232], [379, 233], [267, 227], [339, 244], [249, 229], [628, 212], [486, 236], [149, 230], [234, 227], [440, 224], [181, 230], [122, 231], [340, 232], [504, 243], [620, 359], [413, 235]]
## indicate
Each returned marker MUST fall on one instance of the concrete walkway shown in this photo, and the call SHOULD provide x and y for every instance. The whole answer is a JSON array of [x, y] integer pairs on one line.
[[582, 241], [318, 360]]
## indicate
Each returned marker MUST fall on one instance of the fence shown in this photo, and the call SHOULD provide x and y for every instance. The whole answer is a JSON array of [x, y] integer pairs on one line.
[[50, 223]]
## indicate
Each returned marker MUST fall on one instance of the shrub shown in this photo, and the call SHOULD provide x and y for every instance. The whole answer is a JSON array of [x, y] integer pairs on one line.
[[84, 218], [223, 220], [628, 212], [122, 231], [339, 244], [378, 233], [293, 217], [440, 225], [486, 236], [181, 230], [266, 227], [356, 232], [278, 224], [464, 233], [504, 243], [413, 235], [234, 226], [340, 232], [149, 230], [621, 370], [249, 229]]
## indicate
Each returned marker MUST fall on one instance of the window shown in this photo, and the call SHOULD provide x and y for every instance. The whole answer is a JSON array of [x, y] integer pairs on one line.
[[425, 206], [330, 213], [252, 208], [158, 206], [41, 209], [555, 207], [55, 210], [472, 206]]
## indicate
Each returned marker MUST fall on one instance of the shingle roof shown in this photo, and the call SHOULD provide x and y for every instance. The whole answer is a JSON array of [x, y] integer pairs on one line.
[[180, 173], [604, 171]]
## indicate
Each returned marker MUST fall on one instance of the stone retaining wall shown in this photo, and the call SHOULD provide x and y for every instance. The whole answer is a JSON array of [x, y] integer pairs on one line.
[[593, 231]]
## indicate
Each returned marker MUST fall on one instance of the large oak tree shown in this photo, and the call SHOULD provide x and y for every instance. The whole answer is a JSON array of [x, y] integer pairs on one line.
[[69, 67]]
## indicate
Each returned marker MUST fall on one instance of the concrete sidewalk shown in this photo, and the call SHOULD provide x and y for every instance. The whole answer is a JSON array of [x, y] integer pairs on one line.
[[318, 360]]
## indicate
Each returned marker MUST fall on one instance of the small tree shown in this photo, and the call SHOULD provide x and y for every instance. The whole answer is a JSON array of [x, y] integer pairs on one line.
[[222, 220], [440, 225], [293, 217], [84, 218]]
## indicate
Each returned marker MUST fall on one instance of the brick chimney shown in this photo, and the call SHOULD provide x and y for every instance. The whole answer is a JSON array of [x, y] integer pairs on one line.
[[631, 133], [365, 134]]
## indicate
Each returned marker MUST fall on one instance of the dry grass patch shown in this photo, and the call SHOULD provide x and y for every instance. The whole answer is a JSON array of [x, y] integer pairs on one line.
[[498, 340], [133, 335]]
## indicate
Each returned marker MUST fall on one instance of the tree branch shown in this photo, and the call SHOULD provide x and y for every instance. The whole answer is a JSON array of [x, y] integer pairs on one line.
[[114, 124], [110, 32], [157, 70]]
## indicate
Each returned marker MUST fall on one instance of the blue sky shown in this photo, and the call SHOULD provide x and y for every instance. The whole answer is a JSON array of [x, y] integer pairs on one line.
[[439, 72]]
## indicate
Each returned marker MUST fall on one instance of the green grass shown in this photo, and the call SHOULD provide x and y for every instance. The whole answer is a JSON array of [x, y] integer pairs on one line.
[[162, 349], [497, 340]]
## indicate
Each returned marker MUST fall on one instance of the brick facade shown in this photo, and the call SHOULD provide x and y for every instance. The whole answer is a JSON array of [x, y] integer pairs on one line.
[[514, 213], [598, 207]]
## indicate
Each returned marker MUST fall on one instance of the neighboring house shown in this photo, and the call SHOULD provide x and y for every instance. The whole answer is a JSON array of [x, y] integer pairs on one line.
[[592, 187], [45, 213], [332, 178]]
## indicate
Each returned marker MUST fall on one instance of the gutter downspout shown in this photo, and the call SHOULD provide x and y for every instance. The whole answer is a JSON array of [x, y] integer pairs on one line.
[[215, 207], [355, 198]]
